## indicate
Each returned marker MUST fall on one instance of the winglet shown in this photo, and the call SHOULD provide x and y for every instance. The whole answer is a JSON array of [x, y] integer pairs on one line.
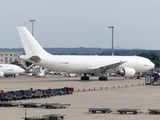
[[31, 46]]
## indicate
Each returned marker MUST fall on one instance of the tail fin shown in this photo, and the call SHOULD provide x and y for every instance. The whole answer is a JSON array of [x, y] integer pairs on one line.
[[31, 46]]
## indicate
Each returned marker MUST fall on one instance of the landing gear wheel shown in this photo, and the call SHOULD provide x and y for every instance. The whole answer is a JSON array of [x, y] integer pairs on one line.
[[85, 78], [103, 78]]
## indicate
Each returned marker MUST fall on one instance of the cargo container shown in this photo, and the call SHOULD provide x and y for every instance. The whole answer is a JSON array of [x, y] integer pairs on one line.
[[26, 94], [17, 95], [69, 90], [61, 91], [6, 96]]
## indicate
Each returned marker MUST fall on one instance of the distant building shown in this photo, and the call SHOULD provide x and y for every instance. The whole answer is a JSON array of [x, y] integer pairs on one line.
[[6, 60]]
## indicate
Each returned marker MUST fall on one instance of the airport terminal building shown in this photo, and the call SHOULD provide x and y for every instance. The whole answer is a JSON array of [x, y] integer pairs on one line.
[[6, 60]]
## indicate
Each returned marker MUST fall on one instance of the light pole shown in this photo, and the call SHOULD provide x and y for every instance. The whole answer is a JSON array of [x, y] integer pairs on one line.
[[32, 24], [112, 39]]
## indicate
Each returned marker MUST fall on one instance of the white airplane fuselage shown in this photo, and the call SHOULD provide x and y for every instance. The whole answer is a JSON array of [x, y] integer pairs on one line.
[[84, 64], [10, 69]]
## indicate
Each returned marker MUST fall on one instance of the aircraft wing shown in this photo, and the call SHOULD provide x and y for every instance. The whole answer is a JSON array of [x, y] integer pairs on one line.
[[110, 66]]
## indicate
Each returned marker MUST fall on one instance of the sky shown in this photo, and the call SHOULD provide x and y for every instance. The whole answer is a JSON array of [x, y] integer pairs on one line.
[[82, 23]]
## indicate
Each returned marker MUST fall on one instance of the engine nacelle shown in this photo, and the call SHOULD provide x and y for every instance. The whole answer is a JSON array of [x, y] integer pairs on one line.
[[1, 74], [127, 72]]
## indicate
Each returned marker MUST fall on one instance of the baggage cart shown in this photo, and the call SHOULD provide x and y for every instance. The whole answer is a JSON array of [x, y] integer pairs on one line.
[[154, 111], [26, 94], [9, 104], [103, 110], [36, 118], [43, 93], [61, 91], [31, 105], [49, 93], [55, 116], [156, 84], [46, 117], [124, 111], [17, 95], [69, 90], [64, 105], [6, 96], [55, 105], [37, 94], [149, 80], [55, 92]]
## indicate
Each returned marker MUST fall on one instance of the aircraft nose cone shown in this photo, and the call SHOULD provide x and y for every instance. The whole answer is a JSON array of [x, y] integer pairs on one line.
[[21, 70], [153, 65]]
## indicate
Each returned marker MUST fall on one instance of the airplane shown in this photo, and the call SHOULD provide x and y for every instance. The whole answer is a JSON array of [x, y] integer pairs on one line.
[[126, 66], [10, 70]]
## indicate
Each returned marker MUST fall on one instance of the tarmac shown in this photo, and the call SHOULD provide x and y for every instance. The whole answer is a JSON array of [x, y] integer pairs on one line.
[[116, 93]]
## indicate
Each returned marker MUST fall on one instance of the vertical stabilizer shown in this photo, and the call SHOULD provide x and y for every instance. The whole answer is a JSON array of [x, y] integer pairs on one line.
[[30, 45]]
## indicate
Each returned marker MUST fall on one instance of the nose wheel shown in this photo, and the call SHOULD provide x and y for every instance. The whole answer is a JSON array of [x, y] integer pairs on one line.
[[103, 78]]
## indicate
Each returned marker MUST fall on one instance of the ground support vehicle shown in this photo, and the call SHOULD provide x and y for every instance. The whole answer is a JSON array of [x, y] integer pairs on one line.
[[156, 84], [46, 117], [55, 116], [69, 90], [49, 93], [149, 80], [124, 111], [26, 94], [17, 95], [31, 105], [55, 105], [55, 92], [8, 104], [64, 105], [37, 94], [6, 96], [103, 110], [36, 118], [61, 91], [43, 92], [154, 111]]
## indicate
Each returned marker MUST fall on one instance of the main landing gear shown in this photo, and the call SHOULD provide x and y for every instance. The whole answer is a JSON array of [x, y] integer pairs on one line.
[[103, 78], [100, 78], [85, 78]]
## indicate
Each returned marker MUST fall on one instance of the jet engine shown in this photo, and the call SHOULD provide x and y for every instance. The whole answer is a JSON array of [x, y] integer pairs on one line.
[[1, 74], [127, 72]]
